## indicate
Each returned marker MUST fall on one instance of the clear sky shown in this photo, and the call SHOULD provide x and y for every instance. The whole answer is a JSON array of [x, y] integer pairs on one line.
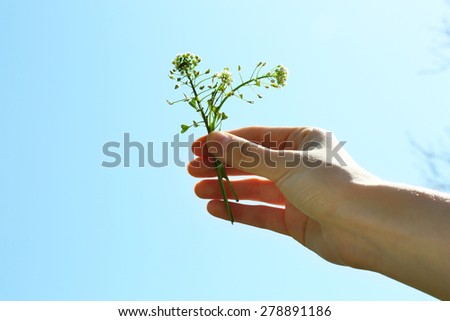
[[77, 74]]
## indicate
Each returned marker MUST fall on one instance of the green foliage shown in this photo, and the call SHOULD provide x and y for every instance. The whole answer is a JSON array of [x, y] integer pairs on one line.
[[207, 93]]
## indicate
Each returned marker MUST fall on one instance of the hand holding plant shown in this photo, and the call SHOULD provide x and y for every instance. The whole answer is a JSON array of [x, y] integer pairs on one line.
[[207, 92]]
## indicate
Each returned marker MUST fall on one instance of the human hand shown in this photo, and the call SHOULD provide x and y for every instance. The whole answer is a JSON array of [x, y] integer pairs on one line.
[[304, 172], [330, 204]]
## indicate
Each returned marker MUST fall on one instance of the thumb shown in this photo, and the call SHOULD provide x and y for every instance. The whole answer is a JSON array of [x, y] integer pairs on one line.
[[247, 156]]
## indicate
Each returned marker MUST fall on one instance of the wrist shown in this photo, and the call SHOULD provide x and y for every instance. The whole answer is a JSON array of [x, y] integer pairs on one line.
[[402, 232]]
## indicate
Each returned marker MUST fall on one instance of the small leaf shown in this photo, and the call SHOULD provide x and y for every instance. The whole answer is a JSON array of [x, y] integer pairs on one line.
[[224, 116], [169, 102], [259, 96], [250, 101], [184, 128], [202, 87], [239, 68], [207, 71], [177, 86], [195, 123], [193, 103]]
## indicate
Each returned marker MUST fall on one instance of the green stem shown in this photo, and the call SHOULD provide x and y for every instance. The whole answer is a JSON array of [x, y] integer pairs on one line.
[[198, 102], [240, 86], [218, 164], [203, 80], [224, 174]]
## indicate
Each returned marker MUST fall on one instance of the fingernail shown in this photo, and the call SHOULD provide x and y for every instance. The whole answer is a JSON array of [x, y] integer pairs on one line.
[[216, 142], [219, 137]]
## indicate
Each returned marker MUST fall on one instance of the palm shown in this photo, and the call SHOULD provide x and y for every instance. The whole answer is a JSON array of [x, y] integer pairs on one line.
[[288, 220], [310, 233]]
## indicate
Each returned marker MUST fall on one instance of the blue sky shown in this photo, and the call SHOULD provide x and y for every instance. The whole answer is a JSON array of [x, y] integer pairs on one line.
[[77, 74]]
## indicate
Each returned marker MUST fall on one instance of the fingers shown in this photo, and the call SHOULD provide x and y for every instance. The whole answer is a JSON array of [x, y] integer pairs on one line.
[[262, 151], [246, 156], [269, 137], [205, 167], [199, 147], [261, 216], [252, 189]]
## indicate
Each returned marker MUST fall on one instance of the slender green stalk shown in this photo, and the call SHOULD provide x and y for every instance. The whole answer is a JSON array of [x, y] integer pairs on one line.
[[220, 172], [220, 167]]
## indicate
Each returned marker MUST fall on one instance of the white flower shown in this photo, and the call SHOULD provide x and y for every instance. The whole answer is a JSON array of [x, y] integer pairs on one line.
[[225, 77], [280, 74], [185, 63]]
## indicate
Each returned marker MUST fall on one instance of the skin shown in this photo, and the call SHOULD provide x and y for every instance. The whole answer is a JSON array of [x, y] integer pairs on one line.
[[329, 204]]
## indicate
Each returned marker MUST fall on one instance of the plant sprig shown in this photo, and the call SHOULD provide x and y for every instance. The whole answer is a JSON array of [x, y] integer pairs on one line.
[[207, 93]]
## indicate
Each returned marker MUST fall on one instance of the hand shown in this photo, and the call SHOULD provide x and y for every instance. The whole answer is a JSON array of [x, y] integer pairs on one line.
[[329, 203], [311, 186]]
